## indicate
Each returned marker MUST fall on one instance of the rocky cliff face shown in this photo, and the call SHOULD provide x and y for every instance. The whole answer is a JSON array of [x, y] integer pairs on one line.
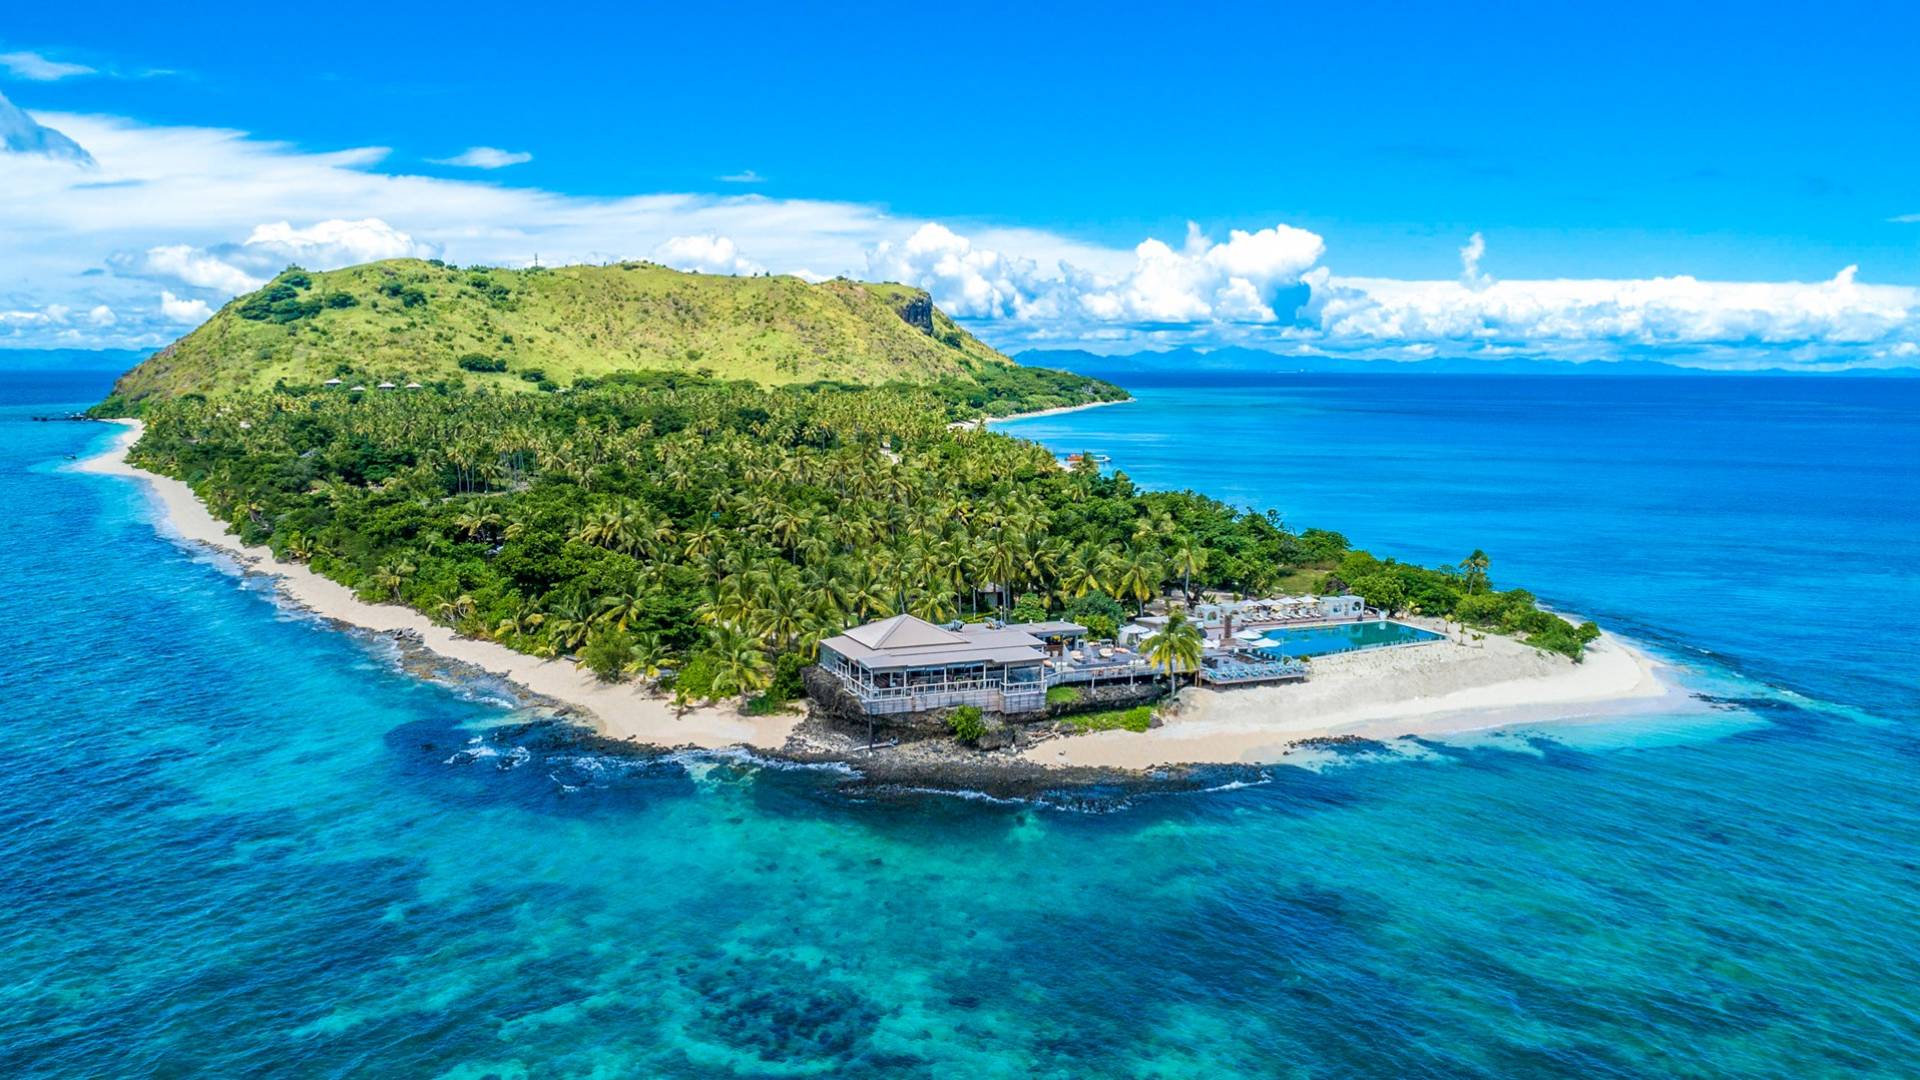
[[917, 309]]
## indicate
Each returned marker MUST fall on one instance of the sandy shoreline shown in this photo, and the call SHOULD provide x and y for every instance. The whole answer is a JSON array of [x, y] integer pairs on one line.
[[969, 425], [1432, 691], [618, 711]]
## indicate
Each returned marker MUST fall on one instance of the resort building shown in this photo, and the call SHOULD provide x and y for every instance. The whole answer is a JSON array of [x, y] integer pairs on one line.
[[1280, 609], [908, 665], [904, 664]]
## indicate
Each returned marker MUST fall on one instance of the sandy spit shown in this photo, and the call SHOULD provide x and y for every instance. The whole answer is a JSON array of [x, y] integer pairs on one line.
[[1433, 691], [967, 425], [618, 711]]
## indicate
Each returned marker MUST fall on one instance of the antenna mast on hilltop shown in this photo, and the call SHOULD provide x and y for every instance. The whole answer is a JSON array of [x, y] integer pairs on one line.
[[536, 260]]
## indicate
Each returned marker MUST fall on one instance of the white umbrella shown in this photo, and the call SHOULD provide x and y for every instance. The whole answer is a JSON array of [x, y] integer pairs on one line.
[[1250, 635]]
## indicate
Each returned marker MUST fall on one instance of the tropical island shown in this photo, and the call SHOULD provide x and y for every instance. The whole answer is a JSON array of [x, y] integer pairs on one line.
[[651, 497]]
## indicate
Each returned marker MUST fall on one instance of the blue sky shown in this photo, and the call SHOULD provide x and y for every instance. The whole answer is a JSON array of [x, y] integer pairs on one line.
[[1744, 145]]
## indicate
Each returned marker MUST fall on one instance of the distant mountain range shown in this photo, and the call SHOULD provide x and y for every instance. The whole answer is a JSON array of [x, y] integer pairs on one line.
[[1261, 362]]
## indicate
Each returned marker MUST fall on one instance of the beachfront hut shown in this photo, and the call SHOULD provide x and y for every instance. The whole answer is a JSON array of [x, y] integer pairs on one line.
[[905, 664], [413, 386], [331, 382], [388, 386], [357, 388], [1057, 635]]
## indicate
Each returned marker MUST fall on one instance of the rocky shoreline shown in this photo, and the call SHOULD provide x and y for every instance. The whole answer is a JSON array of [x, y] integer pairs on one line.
[[927, 765]]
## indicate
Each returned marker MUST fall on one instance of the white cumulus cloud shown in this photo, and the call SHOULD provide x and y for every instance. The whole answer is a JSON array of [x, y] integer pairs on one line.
[[102, 315], [206, 213], [1233, 281], [1650, 311], [176, 310], [705, 254], [191, 266], [965, 281], [486, 157], [333, 243]]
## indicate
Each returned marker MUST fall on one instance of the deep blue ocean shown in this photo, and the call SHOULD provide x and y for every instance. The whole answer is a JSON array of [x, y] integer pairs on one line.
[[236, 842]]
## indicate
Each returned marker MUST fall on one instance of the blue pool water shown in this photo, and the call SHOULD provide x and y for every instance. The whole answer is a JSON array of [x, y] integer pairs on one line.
[[1343, 637], [237, 842]]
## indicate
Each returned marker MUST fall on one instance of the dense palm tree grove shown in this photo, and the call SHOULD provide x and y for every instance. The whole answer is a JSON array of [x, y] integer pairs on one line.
[[716, 531]]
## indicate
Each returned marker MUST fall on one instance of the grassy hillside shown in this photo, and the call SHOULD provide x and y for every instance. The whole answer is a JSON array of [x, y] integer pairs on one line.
[[405, 320]]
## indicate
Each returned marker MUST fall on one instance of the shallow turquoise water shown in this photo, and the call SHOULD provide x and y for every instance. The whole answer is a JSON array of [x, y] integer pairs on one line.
[[234, 841], [1344, 637]]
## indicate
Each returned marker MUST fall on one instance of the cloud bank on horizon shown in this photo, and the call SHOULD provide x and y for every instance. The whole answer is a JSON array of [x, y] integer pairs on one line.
[[163, 224]]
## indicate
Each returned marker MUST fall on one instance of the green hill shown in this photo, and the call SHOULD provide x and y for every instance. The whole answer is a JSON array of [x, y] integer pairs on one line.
[[405, 320]]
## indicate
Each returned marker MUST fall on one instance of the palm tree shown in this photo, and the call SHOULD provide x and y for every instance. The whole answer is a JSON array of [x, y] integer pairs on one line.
[[1476, 566], [740, 667], [391, 576], [1177, 646], [1135, 574], [522, 623], [453, 611], [298, 547], [476, 525], [646, 656], [568, 625], [621, 608], [1080, 573], [1189, 558], [934, 605]]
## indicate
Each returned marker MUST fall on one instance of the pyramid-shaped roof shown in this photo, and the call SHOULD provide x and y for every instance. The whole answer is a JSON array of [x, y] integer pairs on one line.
[[903, 632]]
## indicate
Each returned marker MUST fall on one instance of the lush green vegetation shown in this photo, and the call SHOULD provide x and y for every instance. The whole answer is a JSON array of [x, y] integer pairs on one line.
[[405, 320], [1138, 718], [1463, 594], [709, 534], [967, 723], [1063, 695]]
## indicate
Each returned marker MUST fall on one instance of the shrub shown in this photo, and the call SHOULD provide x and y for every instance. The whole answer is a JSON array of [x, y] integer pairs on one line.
[[967, 724], [279, 302], [764, 705], [1099, 613], [1029, 608], [474, 361], [339, 300], [695, 678], [606, 653], [787, 684]]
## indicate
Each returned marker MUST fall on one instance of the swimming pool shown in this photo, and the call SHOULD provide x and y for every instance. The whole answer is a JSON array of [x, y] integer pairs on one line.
[[1345, 637]]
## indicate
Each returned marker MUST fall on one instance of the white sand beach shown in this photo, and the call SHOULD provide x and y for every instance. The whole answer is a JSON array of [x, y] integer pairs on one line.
[[1431, 691], [616, 710], [968, 425]]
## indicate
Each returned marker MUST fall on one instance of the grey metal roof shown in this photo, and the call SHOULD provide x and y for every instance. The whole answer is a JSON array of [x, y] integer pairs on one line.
[[1051, 626]]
